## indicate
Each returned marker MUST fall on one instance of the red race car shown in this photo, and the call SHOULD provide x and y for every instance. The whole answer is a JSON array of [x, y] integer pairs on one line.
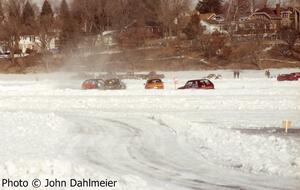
[[287, 77], [92, 84], [198, 84], [297, 74]]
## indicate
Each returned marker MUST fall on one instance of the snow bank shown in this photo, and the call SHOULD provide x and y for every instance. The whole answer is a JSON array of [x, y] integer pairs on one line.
[[259, 154]]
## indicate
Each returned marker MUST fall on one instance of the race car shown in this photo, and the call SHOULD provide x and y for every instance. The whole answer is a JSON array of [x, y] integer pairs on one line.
[[287, 77], [93, 84], [198, 84], [154, 84], [110, 84], [114, 84]]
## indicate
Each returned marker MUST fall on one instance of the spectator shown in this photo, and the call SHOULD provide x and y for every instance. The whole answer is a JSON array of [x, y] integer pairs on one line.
[[236, 74], [267, 74]]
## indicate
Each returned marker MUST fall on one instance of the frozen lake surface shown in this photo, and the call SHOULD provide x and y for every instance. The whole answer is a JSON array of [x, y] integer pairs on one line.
[[227, 138]]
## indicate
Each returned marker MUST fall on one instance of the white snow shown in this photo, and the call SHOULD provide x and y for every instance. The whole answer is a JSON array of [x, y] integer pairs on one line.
[[163, 139]]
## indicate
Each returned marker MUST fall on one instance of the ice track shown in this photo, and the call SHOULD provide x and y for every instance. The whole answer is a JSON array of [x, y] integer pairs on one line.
[[152, 147], [152, 140]]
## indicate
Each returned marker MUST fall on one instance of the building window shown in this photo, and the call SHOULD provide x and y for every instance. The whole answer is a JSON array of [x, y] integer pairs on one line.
[[285, 15]]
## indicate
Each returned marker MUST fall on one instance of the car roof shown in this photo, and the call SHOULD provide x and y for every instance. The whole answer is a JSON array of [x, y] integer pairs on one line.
[[199, 80], [93, 79], [149, 80], [114, 79]]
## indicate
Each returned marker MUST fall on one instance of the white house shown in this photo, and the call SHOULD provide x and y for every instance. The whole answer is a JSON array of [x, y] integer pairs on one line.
[[2, 48], [32, 42], [211, 26], [210, 22], [109, 38]]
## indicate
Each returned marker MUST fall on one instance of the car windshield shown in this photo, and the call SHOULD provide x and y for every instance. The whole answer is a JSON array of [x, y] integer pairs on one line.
[[112, 82], [155, 81], [189, 84]]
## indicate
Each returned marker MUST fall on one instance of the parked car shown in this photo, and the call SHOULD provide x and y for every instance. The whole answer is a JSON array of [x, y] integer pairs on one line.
[[213, 76], [114, 84], [93, 84], [287, 77], [154, 84], [198, 84], [152, 75], [297, 74]]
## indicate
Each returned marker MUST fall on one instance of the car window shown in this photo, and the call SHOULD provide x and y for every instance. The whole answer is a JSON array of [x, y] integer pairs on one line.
[[155, 81], [189, 84], [201, 84], [195, 84]]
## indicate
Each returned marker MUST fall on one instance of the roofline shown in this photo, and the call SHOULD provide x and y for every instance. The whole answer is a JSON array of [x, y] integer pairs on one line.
[[260, 13]]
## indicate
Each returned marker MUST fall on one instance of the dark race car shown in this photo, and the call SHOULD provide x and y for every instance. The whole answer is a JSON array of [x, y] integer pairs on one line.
[[198, 84], [213, 76], [93, 84], [287, 77], [114, 84]]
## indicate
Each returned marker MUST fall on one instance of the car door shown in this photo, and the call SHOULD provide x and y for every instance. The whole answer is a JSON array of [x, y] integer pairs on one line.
[[201, 84], [195, 85]]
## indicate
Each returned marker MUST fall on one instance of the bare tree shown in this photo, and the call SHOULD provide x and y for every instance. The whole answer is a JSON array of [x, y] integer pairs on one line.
[[169, 13], [1, 11], [12, 25], [213, 44], [289, 36]]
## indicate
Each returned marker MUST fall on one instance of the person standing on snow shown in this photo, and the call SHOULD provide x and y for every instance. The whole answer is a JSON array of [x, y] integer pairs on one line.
[[267, 74], [236, 74]]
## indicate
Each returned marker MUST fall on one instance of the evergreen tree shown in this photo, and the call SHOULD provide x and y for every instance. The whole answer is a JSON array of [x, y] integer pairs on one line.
[[67, 36], [209, 6], [47, 11], [46, 20], [64, 12], [28, 16], [192, 30]]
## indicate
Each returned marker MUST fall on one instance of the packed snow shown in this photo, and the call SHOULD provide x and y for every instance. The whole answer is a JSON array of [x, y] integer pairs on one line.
[[227, 138]]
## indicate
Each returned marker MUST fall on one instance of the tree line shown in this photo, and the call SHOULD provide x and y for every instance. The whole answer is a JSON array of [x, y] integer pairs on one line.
[[82, 18]]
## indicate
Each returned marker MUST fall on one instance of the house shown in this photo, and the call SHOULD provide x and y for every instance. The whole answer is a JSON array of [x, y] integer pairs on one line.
[[210, 26], [2, 47], [110, 38], [33, 43], [287, 17], [274, 18], [29, 42], [210, 22], [3, 50], [207, 16], [297, 18]]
